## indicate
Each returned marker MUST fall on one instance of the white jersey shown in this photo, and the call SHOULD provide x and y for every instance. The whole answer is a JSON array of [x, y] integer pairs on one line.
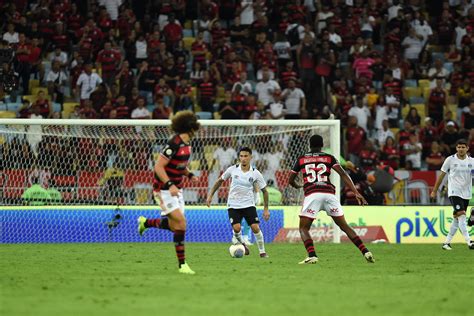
[[241, 192], [459, 176]]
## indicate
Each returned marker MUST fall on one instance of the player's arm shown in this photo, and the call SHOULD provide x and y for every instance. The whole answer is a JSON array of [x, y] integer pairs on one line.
[[266, 212], [191, 176], [161, 173], [214, 188], [437, 184], [292, 181], [348, 181]]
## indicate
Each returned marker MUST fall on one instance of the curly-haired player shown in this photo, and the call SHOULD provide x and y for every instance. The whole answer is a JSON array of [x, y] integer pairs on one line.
[[170, 169]]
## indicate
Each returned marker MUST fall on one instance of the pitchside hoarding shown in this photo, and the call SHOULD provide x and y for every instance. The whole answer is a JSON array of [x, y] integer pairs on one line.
[[404, 224], [401, 224]]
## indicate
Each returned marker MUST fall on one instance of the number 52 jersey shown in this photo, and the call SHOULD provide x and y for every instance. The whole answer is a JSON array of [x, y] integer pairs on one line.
[[316, 168]]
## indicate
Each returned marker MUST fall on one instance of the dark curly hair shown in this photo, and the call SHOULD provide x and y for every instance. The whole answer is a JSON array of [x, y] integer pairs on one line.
[[185, 122]]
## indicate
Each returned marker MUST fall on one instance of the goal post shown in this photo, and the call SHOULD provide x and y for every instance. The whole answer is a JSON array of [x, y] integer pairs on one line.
[[110, 162]]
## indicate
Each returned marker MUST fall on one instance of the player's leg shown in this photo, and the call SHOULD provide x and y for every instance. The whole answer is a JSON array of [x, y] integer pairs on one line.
[[470, 222], [454, 226], [333, 208], [177, 223], [162, 198], [461, 216], [304, 227], [341, 222], [309, 211], [251, 217], [235, 218], [246, 232]]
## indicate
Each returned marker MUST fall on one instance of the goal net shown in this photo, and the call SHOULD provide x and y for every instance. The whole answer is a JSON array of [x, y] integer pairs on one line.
[[111, 162], [74, 174]]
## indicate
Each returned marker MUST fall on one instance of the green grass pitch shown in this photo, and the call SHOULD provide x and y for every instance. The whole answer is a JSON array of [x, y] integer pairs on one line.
[[142, 279]]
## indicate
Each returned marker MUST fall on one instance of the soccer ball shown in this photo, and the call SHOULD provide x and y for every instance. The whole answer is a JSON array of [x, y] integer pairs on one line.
[[236, 251]]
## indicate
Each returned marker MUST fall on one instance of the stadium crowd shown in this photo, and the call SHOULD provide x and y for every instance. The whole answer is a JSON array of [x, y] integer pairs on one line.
[[398, 74]]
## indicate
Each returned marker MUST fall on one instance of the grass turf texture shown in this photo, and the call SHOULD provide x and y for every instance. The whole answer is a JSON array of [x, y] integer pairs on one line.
[[140, 279]]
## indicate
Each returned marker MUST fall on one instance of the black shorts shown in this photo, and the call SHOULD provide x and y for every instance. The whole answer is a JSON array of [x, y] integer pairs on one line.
[[249, 213], [459, 204]]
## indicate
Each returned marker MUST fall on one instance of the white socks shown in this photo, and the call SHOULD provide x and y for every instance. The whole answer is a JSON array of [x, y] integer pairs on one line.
[[260, 242], [452, 230], [238, 236], [463, 228], [459, 222]]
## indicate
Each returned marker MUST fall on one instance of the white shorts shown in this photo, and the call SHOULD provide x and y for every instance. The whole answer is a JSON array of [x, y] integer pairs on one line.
[[169, 203], [316, 202]]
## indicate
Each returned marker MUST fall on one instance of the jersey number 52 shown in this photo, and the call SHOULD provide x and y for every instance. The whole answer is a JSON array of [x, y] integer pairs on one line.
[[316, 172]]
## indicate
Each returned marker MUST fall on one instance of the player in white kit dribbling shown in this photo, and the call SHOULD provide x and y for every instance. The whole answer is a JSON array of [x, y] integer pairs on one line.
[[241, 200], [459, 168]]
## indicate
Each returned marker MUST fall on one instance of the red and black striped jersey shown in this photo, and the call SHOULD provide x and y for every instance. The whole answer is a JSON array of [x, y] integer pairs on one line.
[[316, 168], [177, 152]]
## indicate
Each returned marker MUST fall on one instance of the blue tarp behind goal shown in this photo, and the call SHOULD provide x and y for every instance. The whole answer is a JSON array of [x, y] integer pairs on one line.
[[98, 224]]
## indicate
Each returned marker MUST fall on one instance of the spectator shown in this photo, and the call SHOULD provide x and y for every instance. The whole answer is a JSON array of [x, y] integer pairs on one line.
[[468, 118], [437, 72], [161, 111], [141, 112], [246, 12], [199, 50], [412, 151], [422, 27], [11, 36], [368, 156], [43, 105], [126, 79], [245, 86], [465, 94], [306, 61], [362, 65], [88, 112], [362, 113], [207, 93], [435, 158], [390, 154], [437, 102], [197, 74], [448, 117], [383, 134], [60, 56], [413, 117], [88, 82], [273, 161], [123, 110], [23, 51], [428, 135], [112, 7], [223, 157], [109, 60], [57, 81], [184, 96], [147, 80], [276, 109], [355, 140], [449, 137], [413, 44], [266, 88], [173, 32], [295, 102], [228, 109]]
